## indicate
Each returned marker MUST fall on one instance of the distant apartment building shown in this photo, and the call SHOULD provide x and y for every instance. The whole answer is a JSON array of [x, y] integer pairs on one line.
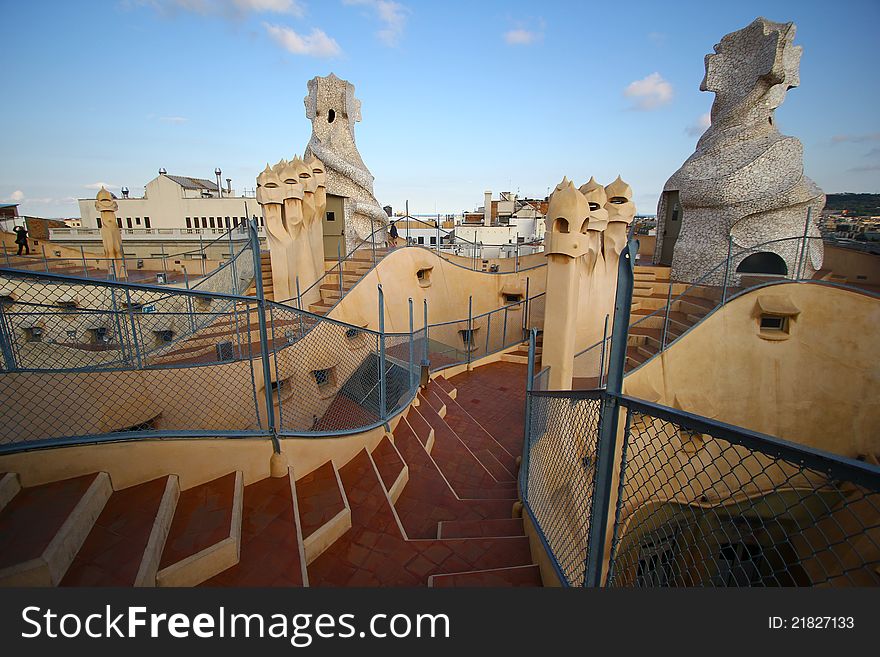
[[179, 213]]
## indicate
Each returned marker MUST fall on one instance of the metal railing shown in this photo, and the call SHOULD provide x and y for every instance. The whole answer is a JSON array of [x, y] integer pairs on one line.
[[174, 268], [366, 254], [85, 360], [688, 304], [623, 492]]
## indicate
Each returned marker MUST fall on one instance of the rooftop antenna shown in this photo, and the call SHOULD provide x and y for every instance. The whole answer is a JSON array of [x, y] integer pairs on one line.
[[217, 173]]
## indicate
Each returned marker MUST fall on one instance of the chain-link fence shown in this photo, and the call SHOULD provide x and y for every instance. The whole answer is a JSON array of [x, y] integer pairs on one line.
[[701, 504], [693, 502]]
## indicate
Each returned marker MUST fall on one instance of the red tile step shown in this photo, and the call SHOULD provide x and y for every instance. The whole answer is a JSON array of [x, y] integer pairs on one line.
[[477, 528], [463, 467], [391, 467], [115, 548], [319, 498], [43, 527], [498, 577], [270, 543], [374, 553], [452, 447], [207, 520], [429, 499], [494, 395], [443, 383]]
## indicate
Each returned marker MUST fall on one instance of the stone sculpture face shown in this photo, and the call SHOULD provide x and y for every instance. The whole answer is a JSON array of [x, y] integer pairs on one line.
[[104, 201], [567, 217], [304, 172], [319, 173], [620, 206], [289, 176], [595, 195], [269, 187], [756, 65]]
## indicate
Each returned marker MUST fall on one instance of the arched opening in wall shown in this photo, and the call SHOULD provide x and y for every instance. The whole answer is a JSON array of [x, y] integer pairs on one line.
[[331, 116], [764, 262], [560, 225]]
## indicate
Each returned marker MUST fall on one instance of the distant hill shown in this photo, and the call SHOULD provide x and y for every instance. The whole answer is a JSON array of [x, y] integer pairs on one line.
[[857, 204]]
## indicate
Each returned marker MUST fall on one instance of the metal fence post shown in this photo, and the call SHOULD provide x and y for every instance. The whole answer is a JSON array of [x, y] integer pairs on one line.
[[382, 409], [726, 270], [6, 343], [470, 330], [299, 307], [504, 329], [45, 261], [530, 380], [134, 335], [264, 337], [608, 420], [666, 318], [164, 264], [488, 332], [339, 265], [527, 308], [602, 356], [412, 346], [202, 253], [82, 254], [802, 260], [425, 302], [6, 254]]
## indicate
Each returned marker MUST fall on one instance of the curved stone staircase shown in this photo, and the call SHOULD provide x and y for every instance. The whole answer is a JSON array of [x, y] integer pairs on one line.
[[430, 505]]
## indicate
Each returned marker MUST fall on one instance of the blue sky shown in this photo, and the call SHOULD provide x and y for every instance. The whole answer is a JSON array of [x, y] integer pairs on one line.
[[458, 97]]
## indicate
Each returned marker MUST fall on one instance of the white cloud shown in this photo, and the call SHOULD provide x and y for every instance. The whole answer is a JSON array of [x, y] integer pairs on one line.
[[521, 37], [316, 44], [17, 196], [658, 38], [699, 126], [99, 185], [856, 139], [650, 92], [176, 120], [228, 8], [391, 14]]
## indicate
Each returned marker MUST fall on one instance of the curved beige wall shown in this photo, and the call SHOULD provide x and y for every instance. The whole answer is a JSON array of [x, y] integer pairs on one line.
[[447, 295], [816, 388]]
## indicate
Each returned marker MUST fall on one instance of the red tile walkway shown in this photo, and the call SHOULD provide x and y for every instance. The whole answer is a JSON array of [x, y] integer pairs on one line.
[[318, 497]]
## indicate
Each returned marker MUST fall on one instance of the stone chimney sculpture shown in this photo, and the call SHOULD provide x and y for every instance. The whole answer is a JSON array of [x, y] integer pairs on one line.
[[271, 193], [110, 235], [568, 215], [300, 216], [315, 225], [745, 180], [333, 110]]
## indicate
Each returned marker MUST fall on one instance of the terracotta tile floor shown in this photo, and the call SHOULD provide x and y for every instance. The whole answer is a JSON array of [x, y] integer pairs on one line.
[[466, 473], [22, 537], [203, 517], [387, 462], [490, 527], [373, 553], [111, 554], [427, 498], [495, 396], [520, 576], [269, 548], [318, 497]]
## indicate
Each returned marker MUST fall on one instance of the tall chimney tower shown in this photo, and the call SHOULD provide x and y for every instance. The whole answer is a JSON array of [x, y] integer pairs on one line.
[[487, 208]]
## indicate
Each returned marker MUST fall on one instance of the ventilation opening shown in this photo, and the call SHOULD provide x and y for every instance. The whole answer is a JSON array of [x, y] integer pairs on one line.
[[657, 563], [560, 225], [146, 425], [468, 338], [224, 351], [774, 323], [331, 116], [163, 337], [763, 263], [34, 334], [67, 304], [282, 390], [326, 381], [510, 299], [99, 335], [424, 276]]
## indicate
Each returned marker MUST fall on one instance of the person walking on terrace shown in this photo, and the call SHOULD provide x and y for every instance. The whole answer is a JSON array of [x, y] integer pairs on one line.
[[21, 238], [392, 235]]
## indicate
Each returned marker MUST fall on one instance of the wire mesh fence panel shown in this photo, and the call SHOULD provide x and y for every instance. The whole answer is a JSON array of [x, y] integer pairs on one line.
[[704, 509], [83, 358], [328, 376], [449, 343], [560, 459]]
